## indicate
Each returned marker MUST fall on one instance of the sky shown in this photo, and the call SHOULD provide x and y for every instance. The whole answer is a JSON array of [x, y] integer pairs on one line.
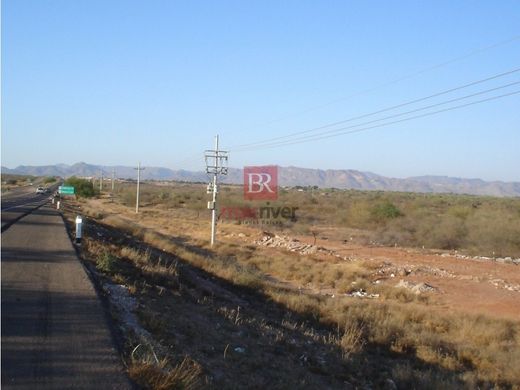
[[121, 81]]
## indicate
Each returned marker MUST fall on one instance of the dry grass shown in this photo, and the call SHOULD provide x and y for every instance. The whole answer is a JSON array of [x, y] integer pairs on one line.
[[352, 340], [160, 375], [456, 349]]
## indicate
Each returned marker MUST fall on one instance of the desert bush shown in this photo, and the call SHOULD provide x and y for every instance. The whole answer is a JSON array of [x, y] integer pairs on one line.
[[385, 211], [352, 340], [495, 233], [150, 372], [82, 188], [49, 179], [448, 233], [106, 262]]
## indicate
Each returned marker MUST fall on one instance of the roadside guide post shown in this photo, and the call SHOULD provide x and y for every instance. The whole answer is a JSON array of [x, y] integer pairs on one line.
[[79, 225]]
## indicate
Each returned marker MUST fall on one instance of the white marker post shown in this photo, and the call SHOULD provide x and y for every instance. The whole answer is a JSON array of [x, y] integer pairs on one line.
[[79, 225], [58, 205]]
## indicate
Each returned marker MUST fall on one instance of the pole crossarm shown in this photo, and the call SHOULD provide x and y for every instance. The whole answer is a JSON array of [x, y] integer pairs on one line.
[[216, 162]]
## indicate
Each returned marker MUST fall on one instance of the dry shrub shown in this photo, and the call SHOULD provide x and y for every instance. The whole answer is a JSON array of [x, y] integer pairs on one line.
[[352, 340], [400, 294], [494, 232], [300, 303], [106, 262], [124, 224], [480, 349], [186, 375], [130, 253]]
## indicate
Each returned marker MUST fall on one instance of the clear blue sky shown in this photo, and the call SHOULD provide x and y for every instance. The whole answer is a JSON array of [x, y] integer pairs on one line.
[[114, 82]]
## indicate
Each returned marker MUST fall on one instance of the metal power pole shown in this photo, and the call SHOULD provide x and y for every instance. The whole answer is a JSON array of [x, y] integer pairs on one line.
[[139, 169], [216, 164], [214, 196]]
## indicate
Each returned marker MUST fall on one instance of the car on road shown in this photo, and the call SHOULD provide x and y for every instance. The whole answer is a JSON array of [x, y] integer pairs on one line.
[[40, 190]]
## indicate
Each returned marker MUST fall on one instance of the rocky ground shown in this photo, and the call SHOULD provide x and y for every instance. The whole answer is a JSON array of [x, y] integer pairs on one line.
[[472, 284]]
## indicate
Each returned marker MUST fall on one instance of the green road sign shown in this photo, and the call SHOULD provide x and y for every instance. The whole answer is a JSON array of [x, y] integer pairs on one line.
[[66, 190]]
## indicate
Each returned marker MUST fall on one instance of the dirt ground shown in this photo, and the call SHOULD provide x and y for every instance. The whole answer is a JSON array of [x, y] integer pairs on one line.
[[462, 283], [469, 285], [241, 337]]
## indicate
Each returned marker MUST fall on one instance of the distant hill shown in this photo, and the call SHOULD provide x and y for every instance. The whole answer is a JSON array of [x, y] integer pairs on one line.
[[291, 176]]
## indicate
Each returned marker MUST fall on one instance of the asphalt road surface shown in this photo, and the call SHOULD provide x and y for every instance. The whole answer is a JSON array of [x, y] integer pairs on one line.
[[55, 334], [21, 201]]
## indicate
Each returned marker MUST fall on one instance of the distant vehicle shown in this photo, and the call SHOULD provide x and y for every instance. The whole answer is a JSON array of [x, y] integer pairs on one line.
[[40, 190]]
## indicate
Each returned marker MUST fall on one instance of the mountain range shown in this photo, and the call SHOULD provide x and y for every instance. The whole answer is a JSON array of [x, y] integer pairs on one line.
[[291, 176]]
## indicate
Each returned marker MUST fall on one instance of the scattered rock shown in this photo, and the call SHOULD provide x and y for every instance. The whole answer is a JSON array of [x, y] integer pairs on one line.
[[125, 305], [500, 283], [291, 244], [416, 288]]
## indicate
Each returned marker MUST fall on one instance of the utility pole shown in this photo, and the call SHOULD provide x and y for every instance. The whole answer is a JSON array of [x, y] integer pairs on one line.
[[113, 177], [216, 164], [100, 181], [139, 169]]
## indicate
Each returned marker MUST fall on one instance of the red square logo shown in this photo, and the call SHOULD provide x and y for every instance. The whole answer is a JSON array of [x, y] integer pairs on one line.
[[261, 183]]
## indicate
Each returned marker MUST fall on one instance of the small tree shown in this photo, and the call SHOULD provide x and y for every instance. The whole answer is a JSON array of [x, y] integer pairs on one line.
[[385, 211], [49, 179], [82, 187]]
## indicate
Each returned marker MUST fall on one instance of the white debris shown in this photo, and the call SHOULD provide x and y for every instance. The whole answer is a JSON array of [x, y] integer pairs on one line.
[[362, 294], [125, 305]]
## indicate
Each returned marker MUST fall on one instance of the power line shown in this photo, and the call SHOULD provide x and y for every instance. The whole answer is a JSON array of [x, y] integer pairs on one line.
[[387, 117], [444, 92], [318, 137], [397, 80]]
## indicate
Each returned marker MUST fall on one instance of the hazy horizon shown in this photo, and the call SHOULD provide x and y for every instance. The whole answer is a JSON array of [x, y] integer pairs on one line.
[[280, 166]]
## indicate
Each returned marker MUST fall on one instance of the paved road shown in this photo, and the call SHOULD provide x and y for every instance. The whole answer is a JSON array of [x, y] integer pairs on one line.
[[21, 201], [54, 330]]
